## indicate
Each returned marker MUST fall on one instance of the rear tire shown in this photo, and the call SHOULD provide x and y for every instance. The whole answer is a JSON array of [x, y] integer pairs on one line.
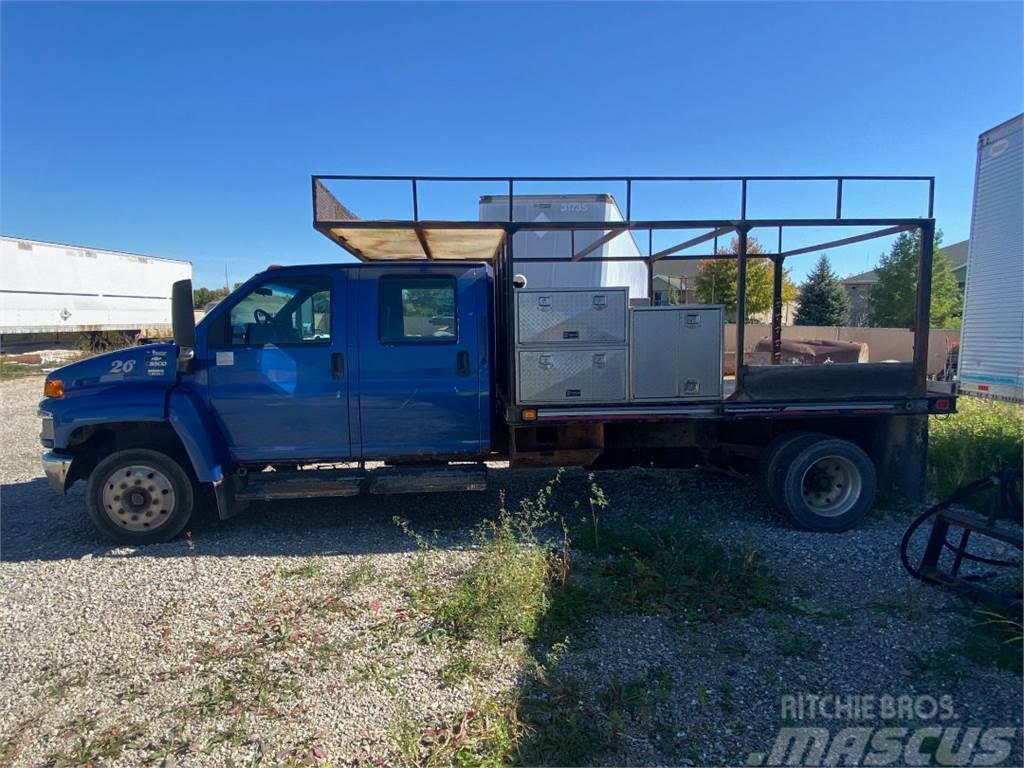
[[827, 484], [775, 459], [140, 496]]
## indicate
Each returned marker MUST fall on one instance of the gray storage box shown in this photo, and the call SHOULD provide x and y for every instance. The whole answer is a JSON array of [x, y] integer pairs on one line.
[[572, 316], [572, 375], [676, 352]]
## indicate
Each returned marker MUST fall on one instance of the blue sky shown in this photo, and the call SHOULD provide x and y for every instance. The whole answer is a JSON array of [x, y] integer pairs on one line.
[[191, 130]]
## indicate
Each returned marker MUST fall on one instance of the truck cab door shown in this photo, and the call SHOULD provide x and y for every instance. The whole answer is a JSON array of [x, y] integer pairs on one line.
[[423, 361], [277, 375]]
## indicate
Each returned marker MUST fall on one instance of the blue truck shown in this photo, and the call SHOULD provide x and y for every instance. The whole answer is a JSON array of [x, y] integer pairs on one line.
[[419, 359]]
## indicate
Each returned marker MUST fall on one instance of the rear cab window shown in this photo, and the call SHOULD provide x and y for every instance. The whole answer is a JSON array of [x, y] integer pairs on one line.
[[417, 310]]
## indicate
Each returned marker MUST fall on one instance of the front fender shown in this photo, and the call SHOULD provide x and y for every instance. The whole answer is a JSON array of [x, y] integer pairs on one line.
[[189, 419], [102, 405]]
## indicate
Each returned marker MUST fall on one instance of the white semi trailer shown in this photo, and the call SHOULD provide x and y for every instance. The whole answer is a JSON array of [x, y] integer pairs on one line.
[[48, 289], [991, 360]]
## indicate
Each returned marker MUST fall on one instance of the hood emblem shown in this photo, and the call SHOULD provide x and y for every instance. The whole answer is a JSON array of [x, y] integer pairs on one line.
[[64, 314]]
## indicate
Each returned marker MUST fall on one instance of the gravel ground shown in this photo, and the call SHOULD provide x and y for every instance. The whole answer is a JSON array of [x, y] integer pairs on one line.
[[284, 636]]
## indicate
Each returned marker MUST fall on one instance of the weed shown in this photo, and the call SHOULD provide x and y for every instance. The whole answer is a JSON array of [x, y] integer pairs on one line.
[[558, 729], [909, 604], [10, 370], [235, 735], [798, 645], [307, 571], [63, 685], [374, 673], [504, 593], [460, 666], [817, 612], [733, 647], [252, 686], [109, 744], [679, 572], [994, 640], [942, 664], [363, 574], [485, 735], [983, 437]]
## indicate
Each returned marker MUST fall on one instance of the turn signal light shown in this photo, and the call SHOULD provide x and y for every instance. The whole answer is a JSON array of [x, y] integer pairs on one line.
[[53, 388], [529, 414]]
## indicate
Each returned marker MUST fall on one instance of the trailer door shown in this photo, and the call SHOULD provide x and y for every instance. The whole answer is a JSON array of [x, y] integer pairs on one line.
[[278, 382], [423, 368]]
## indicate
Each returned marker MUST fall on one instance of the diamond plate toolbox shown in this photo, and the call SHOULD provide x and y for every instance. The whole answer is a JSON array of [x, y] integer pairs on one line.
[[585, 316], [572, 375]]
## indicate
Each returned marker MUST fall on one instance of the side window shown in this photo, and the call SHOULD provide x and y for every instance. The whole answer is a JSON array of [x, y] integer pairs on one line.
[[289, 310], [417, 309]]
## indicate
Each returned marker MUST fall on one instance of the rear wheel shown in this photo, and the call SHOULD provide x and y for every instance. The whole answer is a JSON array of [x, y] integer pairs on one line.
[[828, 484], [774, 460], [140, 496]]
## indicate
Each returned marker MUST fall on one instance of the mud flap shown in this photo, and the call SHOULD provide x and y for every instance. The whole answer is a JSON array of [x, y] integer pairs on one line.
[[227, 503]]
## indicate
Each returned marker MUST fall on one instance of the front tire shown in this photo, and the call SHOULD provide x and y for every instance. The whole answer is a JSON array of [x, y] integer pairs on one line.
[[829, 484], [140, 496]]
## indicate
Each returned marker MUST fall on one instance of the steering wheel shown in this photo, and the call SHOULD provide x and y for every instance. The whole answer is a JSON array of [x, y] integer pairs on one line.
[[262, 317]]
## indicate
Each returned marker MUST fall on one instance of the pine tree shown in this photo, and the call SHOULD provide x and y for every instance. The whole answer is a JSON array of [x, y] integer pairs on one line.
[[822, 299], [892, 300]]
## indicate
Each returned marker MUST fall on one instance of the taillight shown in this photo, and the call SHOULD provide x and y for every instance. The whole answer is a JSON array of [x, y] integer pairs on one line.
[[53, 388]]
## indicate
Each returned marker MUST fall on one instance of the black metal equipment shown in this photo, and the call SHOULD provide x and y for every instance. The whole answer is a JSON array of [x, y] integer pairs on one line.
[[1003, 523]]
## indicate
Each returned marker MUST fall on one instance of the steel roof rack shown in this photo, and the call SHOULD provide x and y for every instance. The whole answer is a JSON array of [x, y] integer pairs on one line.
[[419, 239]]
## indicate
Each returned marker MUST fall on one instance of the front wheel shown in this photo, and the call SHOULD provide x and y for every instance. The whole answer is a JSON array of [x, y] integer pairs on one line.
[[829, 484], [140, 496]]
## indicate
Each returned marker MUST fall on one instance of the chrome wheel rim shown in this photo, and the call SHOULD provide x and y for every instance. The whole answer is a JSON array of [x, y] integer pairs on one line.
[[831, 486], [138, 497]]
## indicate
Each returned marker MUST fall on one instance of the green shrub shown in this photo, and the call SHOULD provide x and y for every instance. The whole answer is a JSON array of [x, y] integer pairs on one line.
[[503, 594], [983, 436]]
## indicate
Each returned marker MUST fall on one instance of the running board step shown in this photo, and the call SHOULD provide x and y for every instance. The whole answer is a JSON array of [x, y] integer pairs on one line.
[[445, 479], [308, 484]]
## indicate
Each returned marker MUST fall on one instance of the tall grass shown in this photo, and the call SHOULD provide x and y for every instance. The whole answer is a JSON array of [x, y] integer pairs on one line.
[[983, 437]]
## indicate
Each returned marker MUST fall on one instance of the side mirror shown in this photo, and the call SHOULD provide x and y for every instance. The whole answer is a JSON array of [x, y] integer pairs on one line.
[[183, 321]]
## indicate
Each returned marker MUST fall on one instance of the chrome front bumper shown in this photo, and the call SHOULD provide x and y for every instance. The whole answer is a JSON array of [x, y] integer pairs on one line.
[[57, 466]]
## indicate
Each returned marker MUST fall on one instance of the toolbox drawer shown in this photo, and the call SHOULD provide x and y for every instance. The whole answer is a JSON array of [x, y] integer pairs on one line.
[[572, 316], [561, 375]]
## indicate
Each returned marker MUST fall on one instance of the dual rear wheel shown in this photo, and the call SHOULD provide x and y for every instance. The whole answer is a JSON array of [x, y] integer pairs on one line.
[[824, 483]]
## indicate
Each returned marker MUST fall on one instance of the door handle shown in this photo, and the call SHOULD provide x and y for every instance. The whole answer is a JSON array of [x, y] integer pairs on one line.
[[462, 361], [337, 365]]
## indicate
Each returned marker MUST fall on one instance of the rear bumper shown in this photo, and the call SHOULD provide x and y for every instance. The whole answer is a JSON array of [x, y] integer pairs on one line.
[[57, 467]]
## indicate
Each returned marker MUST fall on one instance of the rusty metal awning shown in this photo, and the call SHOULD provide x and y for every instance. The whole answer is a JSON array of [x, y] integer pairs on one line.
[[379, 240]]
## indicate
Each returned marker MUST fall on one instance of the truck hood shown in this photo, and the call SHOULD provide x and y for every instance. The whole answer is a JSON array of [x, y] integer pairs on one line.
[[154, 364]]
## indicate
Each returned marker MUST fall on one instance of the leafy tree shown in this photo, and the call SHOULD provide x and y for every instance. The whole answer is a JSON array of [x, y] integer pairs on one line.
[[822, 299], [715, 281], [892, 300], [203, 296]]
